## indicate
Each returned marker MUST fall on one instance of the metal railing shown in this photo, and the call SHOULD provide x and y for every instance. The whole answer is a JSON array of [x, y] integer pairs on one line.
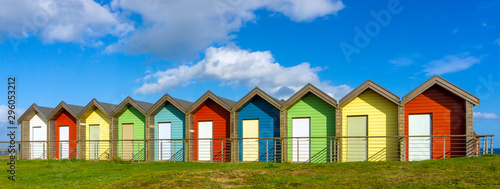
[[279, 149]]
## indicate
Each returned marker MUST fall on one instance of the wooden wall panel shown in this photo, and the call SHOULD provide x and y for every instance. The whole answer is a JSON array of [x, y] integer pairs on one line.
[[66, 119], [322, 117], [382, 121], [448, 118], [211, 111]]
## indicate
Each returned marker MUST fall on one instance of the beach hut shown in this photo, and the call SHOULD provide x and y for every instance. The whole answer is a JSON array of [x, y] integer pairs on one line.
[[167, 119], [209, 118], [62, 124], [129, 123], [309, 113], [94, 125], [258, 116], [369, 111], [34, 128], [438, 107]]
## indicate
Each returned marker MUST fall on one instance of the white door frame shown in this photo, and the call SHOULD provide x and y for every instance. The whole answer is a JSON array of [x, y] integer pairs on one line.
[[63, 146], [164, 146], [419, 148], [205, 130], [301, 147]]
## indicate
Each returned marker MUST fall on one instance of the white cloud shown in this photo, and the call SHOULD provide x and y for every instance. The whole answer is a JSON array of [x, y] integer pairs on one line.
[[405, 60], [80, 21], [300, 10], [170, 29], [234, 66], [180, 29], [497, 41], [450, 64], [4, 113], [478, 116]]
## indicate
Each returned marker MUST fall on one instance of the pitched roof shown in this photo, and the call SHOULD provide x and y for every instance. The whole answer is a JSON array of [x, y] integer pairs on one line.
[[437, 80], [225, 103], [45, 110], [34, 109], [182, 105], [256, 92], [145, 105], [109, 107], [309, 88], [106, 108], [141, 106], [74, 110], [369, 84]]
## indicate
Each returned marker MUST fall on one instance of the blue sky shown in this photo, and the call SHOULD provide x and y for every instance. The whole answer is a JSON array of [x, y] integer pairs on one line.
[[108, 50]]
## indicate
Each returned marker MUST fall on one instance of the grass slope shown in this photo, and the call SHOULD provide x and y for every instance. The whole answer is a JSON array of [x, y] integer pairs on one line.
[[483, 172]]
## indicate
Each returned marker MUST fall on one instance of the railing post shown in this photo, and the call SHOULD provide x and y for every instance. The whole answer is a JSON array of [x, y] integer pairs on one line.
[[487, 149], [44, 155], [477, 148], [222, 151], [491, 145], [444, 147], [484, 146], [110, 150], [175, 150], [211, 150], [337, 146], [267, 151], [331, 155], [97, 154], [274, 150], [298, 147]]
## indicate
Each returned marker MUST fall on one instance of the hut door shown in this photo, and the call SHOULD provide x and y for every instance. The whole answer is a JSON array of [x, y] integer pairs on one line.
[[164, 132], [419, 148], [63, 146], [128, 146], [204, 146], [37, 148], [357, 148], [251, 146], [301, 128], [94, 146]]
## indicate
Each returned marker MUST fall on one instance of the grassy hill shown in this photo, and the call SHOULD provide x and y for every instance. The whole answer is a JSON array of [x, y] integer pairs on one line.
[[481, 172]]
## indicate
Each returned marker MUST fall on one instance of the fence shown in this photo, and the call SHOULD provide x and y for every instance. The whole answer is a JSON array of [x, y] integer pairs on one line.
[[284, 149]]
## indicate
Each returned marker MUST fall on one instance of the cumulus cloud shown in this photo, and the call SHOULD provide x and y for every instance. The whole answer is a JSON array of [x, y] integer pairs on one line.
[[4, 113], [180, 29], [170, 29], [234, 66], [478, 116], [78, 21], [450, 64]]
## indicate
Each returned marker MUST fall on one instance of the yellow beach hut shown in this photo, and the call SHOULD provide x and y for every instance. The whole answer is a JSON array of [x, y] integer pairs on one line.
[[367, 112]]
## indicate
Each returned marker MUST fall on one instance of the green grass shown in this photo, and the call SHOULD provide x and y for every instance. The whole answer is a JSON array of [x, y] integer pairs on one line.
[[480, 172]]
